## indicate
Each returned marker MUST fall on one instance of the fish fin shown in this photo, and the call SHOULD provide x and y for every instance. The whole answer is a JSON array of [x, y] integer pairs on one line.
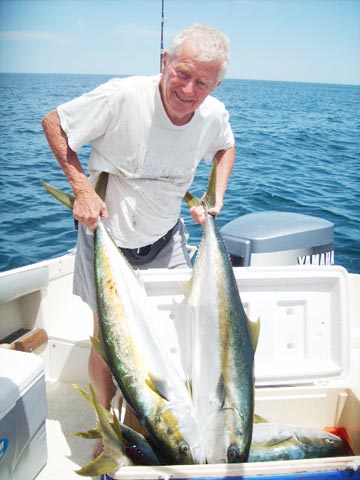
[[101, 465], [111, 435], [158, 386], [83, 394], [105, 426], [89, 435], [191, 200], [99, 347], [259, 419], [187, 286], [278, 440], [109, 430], [254, 331], [101, 185], [66, 198], [211, 190], [210, 197], [117, 427], [88, 398]]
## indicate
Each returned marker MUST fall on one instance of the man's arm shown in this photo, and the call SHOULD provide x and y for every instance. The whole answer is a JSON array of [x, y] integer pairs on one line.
[[88, 206], [225, 163]]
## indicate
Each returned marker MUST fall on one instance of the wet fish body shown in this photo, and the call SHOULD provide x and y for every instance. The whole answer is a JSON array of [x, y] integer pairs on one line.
[[146, 376], [223, 345], [272, 441]]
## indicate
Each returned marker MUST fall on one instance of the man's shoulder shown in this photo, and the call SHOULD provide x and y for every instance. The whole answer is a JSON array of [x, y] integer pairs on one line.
[[130, 84], [212, 106]]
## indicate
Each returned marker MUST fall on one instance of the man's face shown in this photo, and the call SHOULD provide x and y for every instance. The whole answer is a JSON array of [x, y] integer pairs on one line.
[[185, 83]]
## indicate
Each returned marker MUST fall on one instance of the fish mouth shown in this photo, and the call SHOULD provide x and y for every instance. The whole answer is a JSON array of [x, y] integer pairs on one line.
[[183, 99]]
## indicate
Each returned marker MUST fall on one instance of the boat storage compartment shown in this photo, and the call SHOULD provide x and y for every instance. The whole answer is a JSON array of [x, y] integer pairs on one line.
[[306, 367], [23, 449]]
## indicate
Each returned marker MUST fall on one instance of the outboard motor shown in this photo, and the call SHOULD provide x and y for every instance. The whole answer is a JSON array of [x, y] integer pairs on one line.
[[279, 238]]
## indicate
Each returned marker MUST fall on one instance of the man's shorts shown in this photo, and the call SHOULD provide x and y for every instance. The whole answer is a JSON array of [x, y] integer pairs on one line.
[[174, 254]]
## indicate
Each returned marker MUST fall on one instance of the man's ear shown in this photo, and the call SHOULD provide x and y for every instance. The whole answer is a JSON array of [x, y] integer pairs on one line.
[[164, 60]]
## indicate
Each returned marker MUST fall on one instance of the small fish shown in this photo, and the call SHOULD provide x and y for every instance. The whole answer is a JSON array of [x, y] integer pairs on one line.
[[223, 346], [272, 441]]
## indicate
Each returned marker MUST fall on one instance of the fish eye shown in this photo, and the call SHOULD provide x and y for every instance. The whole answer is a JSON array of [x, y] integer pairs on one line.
[[184, 448], [140, 452], [232, 454], [135, 448], [330, 441]]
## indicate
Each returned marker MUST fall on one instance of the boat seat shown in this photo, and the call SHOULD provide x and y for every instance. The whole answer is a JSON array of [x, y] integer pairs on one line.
[[21, 283]]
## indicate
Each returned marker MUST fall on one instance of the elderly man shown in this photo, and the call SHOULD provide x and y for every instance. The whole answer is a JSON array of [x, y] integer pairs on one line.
[[149, 133]]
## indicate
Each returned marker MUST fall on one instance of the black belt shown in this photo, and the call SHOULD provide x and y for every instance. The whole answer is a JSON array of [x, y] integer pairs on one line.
[[142, 255]]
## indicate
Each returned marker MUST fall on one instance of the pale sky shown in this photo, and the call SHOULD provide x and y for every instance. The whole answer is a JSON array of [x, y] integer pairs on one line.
[[291, 40]]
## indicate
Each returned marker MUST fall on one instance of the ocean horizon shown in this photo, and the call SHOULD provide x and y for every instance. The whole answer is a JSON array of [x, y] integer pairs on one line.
[[117, 75]]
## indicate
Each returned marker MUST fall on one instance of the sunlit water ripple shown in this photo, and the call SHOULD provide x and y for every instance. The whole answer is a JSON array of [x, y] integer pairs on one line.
[[298, 150]]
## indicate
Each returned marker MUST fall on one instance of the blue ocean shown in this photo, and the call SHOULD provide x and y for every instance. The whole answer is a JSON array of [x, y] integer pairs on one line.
[[298, 150]]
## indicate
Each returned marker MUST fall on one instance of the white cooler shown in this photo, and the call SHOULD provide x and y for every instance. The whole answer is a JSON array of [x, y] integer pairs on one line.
[[306, 365], [23, 450]]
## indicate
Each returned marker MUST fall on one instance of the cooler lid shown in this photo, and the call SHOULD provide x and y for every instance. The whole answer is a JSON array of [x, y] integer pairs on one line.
[[276, 231], [303, 312], [304, 324], [18, 370]]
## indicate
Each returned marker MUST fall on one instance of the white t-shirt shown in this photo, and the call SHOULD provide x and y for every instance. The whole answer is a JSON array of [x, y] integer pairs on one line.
[[153, 161]]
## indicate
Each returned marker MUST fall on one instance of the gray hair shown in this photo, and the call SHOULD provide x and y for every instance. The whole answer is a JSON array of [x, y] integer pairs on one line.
[[209, 45]]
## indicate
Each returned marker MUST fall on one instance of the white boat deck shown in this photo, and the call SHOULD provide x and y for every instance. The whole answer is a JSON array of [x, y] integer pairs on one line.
[[67, 413]]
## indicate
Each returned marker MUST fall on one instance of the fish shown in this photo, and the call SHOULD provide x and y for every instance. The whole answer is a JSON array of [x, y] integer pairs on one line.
[[223, 346], [270, 441], [131, 443], [153, 384], [273, 441], [147, 377], [113, 454]]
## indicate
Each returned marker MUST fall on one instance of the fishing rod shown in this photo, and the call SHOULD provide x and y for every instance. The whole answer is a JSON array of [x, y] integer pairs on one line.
[[162, 34]]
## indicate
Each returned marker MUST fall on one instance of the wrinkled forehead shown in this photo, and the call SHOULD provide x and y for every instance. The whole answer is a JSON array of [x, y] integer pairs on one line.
[[191, 57], [193, 53]]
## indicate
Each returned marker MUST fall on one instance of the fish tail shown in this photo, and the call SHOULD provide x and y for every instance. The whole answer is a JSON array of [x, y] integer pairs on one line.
[[211, 191], [66, 198], [210, 197], [109, 430]]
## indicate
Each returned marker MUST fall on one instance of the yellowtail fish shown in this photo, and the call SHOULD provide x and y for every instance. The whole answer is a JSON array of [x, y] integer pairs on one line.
[[273, 441], [152, 384], [223, 345], [147, 377]]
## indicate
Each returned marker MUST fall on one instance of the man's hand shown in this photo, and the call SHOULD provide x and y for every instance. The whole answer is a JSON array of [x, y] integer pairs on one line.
[[198, 213], [88, 207]]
